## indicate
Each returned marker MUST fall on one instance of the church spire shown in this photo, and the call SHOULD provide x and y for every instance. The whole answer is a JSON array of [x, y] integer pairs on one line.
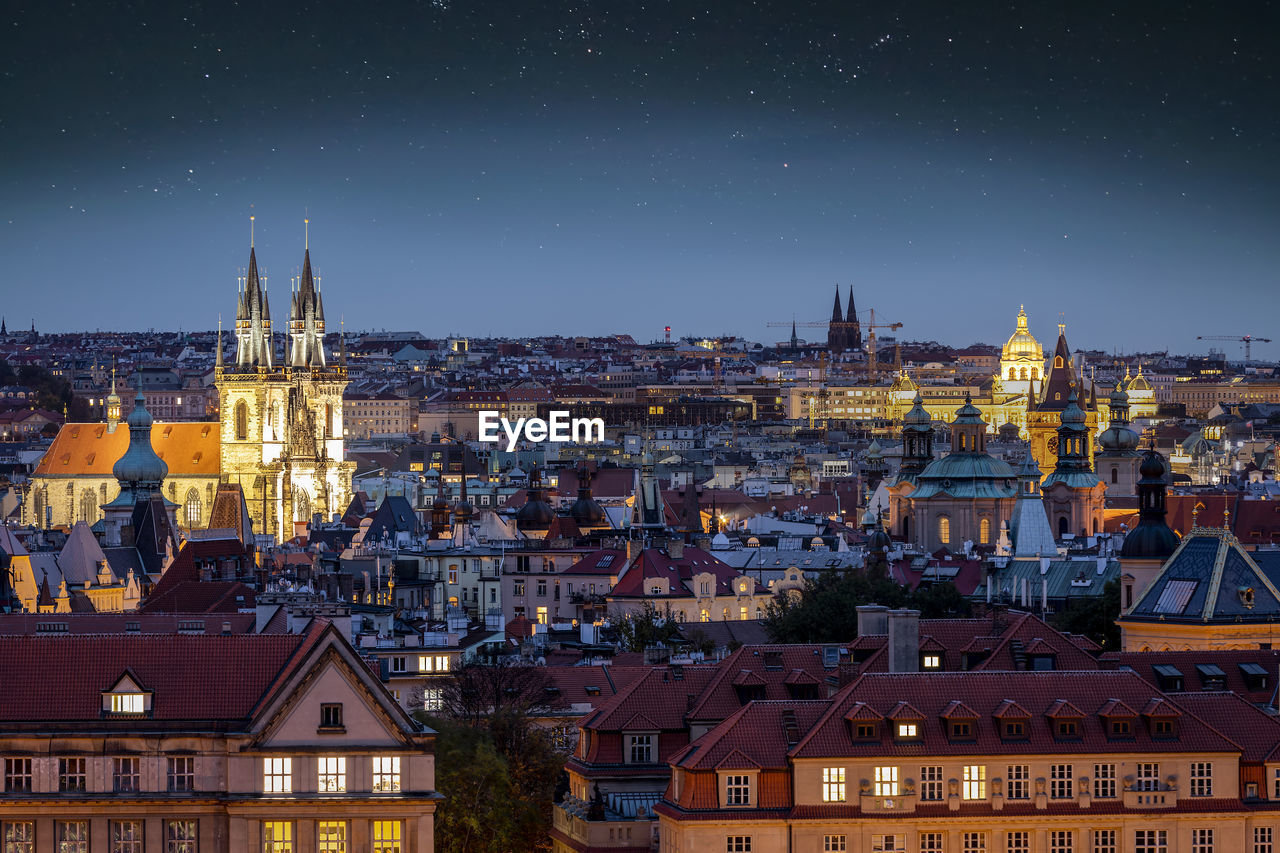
[[837, 316]]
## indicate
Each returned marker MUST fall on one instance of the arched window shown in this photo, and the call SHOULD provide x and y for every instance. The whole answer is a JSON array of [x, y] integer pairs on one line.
[[1012, 372], [906, 527], [1023, 374], [242, 421], [944, 530], [192, 509], [705, 615], [328, 420], [1035, 373], [1115, 475], [88, 507], [1063, 528], [1057, 361], [984, 531], [725, 614]]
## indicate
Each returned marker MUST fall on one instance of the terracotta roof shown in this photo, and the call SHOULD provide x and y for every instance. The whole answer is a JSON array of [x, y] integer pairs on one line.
[[1258, 689], [122, 623], [1256, 731], [757, 732], [188, 448], [177, 668], [984, 692]]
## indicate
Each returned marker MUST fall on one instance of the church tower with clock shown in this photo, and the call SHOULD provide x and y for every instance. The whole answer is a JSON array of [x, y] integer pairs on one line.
[[281, 416], [1045, 407]]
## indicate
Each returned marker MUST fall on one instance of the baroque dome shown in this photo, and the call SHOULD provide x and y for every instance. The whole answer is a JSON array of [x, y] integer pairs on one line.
[[1022, 345]]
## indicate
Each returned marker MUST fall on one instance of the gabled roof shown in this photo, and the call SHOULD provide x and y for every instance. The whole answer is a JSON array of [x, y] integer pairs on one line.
[[177, 668], [1008, 709], [1062, 709], [1116, 708]]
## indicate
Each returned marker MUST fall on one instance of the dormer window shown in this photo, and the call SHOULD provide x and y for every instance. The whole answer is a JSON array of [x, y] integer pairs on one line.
[[1120, 728], [931, 661], [865, 731], [127, 703], [1066, 729], [126, 697], [1014, 730], [961, 730], [908, 731]]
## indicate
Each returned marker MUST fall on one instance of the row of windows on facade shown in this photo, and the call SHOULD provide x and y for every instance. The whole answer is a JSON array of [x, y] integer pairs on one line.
[[89, 508], [1203, 840], [1102, 785], [241, 419], [1016, 730], [126, 774], [426, 663], [182, 836]]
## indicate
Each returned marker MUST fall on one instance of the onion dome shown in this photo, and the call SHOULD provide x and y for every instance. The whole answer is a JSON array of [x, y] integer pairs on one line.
[[917, 416], [869, 518], [140, 467], [874, 451], [1022, 344], [536, 514], [969, 413], [1152, 539], [1119, 398], [585, 511], [1073, 414]]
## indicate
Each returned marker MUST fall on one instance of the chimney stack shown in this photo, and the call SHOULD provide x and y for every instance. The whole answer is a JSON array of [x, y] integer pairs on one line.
[[904, 640], [872, 619]]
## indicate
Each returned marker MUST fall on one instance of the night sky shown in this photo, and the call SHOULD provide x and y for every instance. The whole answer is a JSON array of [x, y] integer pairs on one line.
[[599, 167]]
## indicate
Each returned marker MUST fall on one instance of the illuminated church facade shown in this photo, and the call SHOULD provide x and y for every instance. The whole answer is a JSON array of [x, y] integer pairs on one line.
[[279, 434], [281, 421]]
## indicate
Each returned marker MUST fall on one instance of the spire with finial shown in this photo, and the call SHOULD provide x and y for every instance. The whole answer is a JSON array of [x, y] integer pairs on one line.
[[1226, 517], [217, 358]]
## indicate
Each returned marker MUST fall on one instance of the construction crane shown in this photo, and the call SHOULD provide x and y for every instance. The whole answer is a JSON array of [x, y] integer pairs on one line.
[[1247, 340], [717, 353], [871, 343]]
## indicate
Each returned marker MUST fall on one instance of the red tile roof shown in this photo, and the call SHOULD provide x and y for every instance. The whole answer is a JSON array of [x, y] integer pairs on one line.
[[984, 693], [192, 677]]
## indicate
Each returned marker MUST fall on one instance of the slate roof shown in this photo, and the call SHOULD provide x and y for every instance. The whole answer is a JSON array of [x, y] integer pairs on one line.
[[1210, 578]]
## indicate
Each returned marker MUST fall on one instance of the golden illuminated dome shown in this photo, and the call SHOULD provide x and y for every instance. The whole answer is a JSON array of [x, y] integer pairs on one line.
[[1139, 382], [1022, 345]]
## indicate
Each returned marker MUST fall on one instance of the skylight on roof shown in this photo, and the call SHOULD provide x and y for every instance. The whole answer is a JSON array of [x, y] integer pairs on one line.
[[1175, 595], [605, 561]]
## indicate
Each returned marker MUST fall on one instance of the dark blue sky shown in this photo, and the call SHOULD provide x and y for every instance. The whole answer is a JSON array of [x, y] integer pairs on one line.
[[594, 167]]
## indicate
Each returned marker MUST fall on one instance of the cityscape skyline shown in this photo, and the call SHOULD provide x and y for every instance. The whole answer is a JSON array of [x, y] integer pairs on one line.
[[706, 173]]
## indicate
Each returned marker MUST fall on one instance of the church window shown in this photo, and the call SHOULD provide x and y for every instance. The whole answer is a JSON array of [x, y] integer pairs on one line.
[[1023, 374], [1063, 526], [1057, 361], [242, 421], [88, 507], [1035, 373], [984, 531], [944, 530], [1115, 475], [1012, 371], [192, 509]]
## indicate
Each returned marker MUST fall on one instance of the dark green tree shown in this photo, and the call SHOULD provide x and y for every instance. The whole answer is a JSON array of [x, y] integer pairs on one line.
[[1095, 617], [636, 630]]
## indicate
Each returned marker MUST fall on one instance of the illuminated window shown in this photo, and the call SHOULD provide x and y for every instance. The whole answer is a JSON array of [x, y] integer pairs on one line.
[[886, 781], [332, 777], [542, 615], [944, 530], [984, 531], [833, 784], [386, 773], [242, 421], [331, 836], [277, 836], [432, 699], [126, 703], [386, 836], [975, 782], [277, 775], [932, 662], [192, 511], [906, 730]]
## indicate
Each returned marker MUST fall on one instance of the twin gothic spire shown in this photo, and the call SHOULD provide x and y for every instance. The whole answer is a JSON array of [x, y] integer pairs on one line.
[[254, 346]]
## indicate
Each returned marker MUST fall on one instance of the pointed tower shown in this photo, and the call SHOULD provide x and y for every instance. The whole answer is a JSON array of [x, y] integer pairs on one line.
[[837, 341], [917, 453], [690, 510], [1043, 420], [854, 327], [113, 404], [1029, 525], [650, 514]]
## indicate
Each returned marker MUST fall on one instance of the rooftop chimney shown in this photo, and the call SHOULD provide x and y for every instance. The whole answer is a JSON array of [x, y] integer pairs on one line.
[[872, 619], [904, 640]]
